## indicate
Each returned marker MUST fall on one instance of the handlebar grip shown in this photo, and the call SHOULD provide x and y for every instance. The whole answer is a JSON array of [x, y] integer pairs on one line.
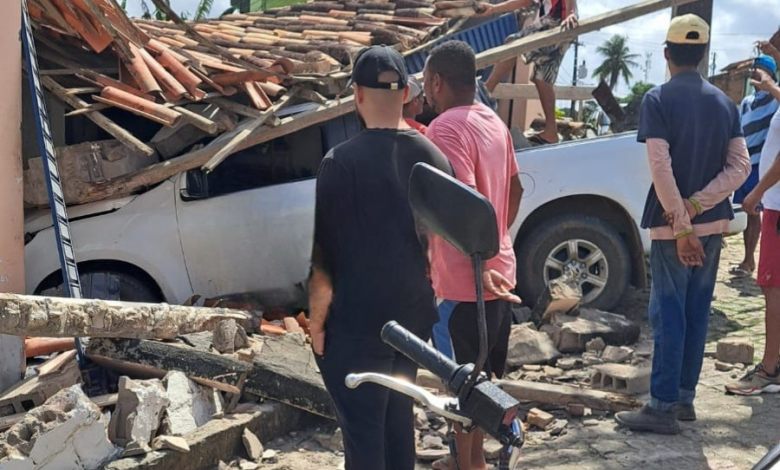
[[415, 349]]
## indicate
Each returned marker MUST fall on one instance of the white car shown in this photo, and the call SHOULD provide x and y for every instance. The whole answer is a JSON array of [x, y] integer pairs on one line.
[[244, 232]]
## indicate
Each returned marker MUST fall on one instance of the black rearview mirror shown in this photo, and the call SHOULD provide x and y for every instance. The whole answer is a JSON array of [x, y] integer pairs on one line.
[[454, 211]]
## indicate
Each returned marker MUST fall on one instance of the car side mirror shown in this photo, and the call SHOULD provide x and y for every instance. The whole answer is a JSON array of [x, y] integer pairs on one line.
[[454, 211], [196, 186]]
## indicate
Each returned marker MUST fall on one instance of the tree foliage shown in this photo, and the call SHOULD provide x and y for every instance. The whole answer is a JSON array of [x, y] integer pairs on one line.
[[618, 61]]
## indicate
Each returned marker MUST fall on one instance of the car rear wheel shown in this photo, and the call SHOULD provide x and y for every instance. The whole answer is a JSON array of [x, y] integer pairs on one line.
[[587, 248], [107, 284]]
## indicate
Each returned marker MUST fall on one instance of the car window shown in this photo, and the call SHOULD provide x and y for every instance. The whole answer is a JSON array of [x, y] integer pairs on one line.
[[289, 158], [286, 159]]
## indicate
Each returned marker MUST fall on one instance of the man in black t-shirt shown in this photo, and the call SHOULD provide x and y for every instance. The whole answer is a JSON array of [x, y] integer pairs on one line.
[[369, 265]]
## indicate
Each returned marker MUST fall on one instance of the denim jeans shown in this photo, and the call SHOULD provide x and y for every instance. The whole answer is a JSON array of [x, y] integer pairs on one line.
[[679, 313]]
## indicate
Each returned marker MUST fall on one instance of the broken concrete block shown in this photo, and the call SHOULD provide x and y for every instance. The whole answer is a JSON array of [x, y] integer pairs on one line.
[[724, 366], [569, 363], [622, 378], [420, 419], [492, 448], [528, 346], [432, 442], [540, 419], [735, 351], [571, 334], [179, 444], [245, 465], [253, 446], [562, 295], [224, 338], [617, 354], [557, 427], [595, 345], [431, 455], [68, 431], [139, 409], [191, 406], [575, 410]]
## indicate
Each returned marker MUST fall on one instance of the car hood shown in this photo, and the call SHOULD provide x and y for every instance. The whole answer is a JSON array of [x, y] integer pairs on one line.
[[40, 219]]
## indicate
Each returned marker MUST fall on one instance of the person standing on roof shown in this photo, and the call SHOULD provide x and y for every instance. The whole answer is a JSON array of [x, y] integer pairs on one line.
[[547, 60], [757, 111], [697, 157], [413, 106], [479, 147], [369, 266]]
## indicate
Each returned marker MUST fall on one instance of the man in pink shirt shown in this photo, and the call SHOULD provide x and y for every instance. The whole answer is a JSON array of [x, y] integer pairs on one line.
[[479, 148]]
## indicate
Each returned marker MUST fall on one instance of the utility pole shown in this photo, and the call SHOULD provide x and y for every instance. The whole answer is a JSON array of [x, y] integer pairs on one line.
[[648, 65], [574, 77], [12, 361], [714, 65], [703, 9]]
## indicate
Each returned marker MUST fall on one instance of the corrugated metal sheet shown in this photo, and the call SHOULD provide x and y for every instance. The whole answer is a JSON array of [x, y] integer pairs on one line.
[[481, 38]]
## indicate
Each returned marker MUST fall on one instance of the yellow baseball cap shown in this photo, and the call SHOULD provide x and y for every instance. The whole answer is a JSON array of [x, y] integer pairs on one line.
[[688, 29]]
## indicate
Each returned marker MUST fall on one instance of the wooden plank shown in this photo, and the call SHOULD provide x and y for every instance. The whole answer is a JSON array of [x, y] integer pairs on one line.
[[516, 91], [55, 317], [241, 133], [153, 174], [154, 358], [106, 124], [553, 394], [556, 36]]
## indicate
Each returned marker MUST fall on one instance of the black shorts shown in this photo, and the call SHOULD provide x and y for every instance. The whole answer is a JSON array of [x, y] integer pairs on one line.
[[457, 333]]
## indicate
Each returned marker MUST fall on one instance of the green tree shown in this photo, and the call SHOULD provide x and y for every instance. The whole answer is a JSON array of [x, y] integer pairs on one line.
[[637, 92], [618, 61]]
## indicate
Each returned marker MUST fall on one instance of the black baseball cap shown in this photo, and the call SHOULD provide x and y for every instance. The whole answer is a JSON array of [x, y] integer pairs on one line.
[[372, 61]]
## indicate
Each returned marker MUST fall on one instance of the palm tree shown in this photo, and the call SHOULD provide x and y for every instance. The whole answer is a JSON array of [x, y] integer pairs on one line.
[[201, 12], [618, 61]]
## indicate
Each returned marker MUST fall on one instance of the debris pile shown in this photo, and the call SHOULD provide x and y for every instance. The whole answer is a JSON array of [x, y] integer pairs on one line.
[[219, 83]]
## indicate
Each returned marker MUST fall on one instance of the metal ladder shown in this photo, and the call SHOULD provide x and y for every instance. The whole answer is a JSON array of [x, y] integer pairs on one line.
[[62, 233]]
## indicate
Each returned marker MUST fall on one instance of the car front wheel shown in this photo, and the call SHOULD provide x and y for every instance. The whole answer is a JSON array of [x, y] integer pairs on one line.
[[582, 246]]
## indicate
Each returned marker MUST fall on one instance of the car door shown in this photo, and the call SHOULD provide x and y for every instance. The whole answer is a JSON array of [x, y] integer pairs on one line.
[[250, 237]]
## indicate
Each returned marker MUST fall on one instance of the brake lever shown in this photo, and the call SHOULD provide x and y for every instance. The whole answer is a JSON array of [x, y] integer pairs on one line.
[[442, 406]]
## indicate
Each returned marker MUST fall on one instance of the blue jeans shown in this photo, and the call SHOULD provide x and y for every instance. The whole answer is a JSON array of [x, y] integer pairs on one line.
[[679, 313]]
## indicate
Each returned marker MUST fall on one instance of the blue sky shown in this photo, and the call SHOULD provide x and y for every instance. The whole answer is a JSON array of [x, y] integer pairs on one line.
[[737, 24]]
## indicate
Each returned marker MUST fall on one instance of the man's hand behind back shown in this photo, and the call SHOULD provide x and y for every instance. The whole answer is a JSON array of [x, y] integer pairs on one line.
[[495, 283], [690, 251]]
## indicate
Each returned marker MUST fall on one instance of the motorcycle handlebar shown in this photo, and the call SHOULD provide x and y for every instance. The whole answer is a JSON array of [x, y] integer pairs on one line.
[[415, 349]]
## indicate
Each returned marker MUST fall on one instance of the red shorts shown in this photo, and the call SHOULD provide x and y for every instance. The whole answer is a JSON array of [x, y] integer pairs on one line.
[[769, 258]]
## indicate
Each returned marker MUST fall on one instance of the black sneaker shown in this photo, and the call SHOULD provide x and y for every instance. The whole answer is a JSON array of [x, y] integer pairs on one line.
[[649, 420], [685, 412]]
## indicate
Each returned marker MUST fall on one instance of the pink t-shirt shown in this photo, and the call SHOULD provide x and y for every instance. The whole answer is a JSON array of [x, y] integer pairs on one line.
[[480, 149]]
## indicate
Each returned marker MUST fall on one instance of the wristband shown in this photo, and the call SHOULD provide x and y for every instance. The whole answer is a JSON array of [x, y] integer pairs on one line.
[[696, 205], [683, 234]]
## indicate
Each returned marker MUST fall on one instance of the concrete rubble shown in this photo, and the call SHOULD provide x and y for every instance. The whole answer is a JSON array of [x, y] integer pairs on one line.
[[735, 351], [529, 346], [138, 413], [191, 405], [66, 432], [571, 334]]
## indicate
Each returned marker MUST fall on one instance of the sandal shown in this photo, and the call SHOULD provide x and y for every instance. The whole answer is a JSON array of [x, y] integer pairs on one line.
[[739, 272]]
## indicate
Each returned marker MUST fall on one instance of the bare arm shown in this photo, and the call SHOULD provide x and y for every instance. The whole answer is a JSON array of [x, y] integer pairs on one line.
[[762, 81], [729, 180], [771, 178], [515, 195], [320, 298], [504, 7]]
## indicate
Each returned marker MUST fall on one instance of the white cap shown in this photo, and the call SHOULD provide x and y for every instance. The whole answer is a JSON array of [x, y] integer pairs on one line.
[[415, 88]]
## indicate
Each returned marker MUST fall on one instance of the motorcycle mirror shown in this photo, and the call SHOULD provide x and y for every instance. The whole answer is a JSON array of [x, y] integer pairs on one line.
[[454, 211]]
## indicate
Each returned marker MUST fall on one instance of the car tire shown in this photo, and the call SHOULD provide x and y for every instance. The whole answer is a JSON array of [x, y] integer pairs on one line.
[[604, 276], [111, 285]]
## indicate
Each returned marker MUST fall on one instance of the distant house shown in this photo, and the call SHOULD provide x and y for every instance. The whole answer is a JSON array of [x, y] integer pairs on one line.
[[734, 80]]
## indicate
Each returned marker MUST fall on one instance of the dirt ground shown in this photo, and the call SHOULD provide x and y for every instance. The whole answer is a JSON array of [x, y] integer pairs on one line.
[[732, 433]]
